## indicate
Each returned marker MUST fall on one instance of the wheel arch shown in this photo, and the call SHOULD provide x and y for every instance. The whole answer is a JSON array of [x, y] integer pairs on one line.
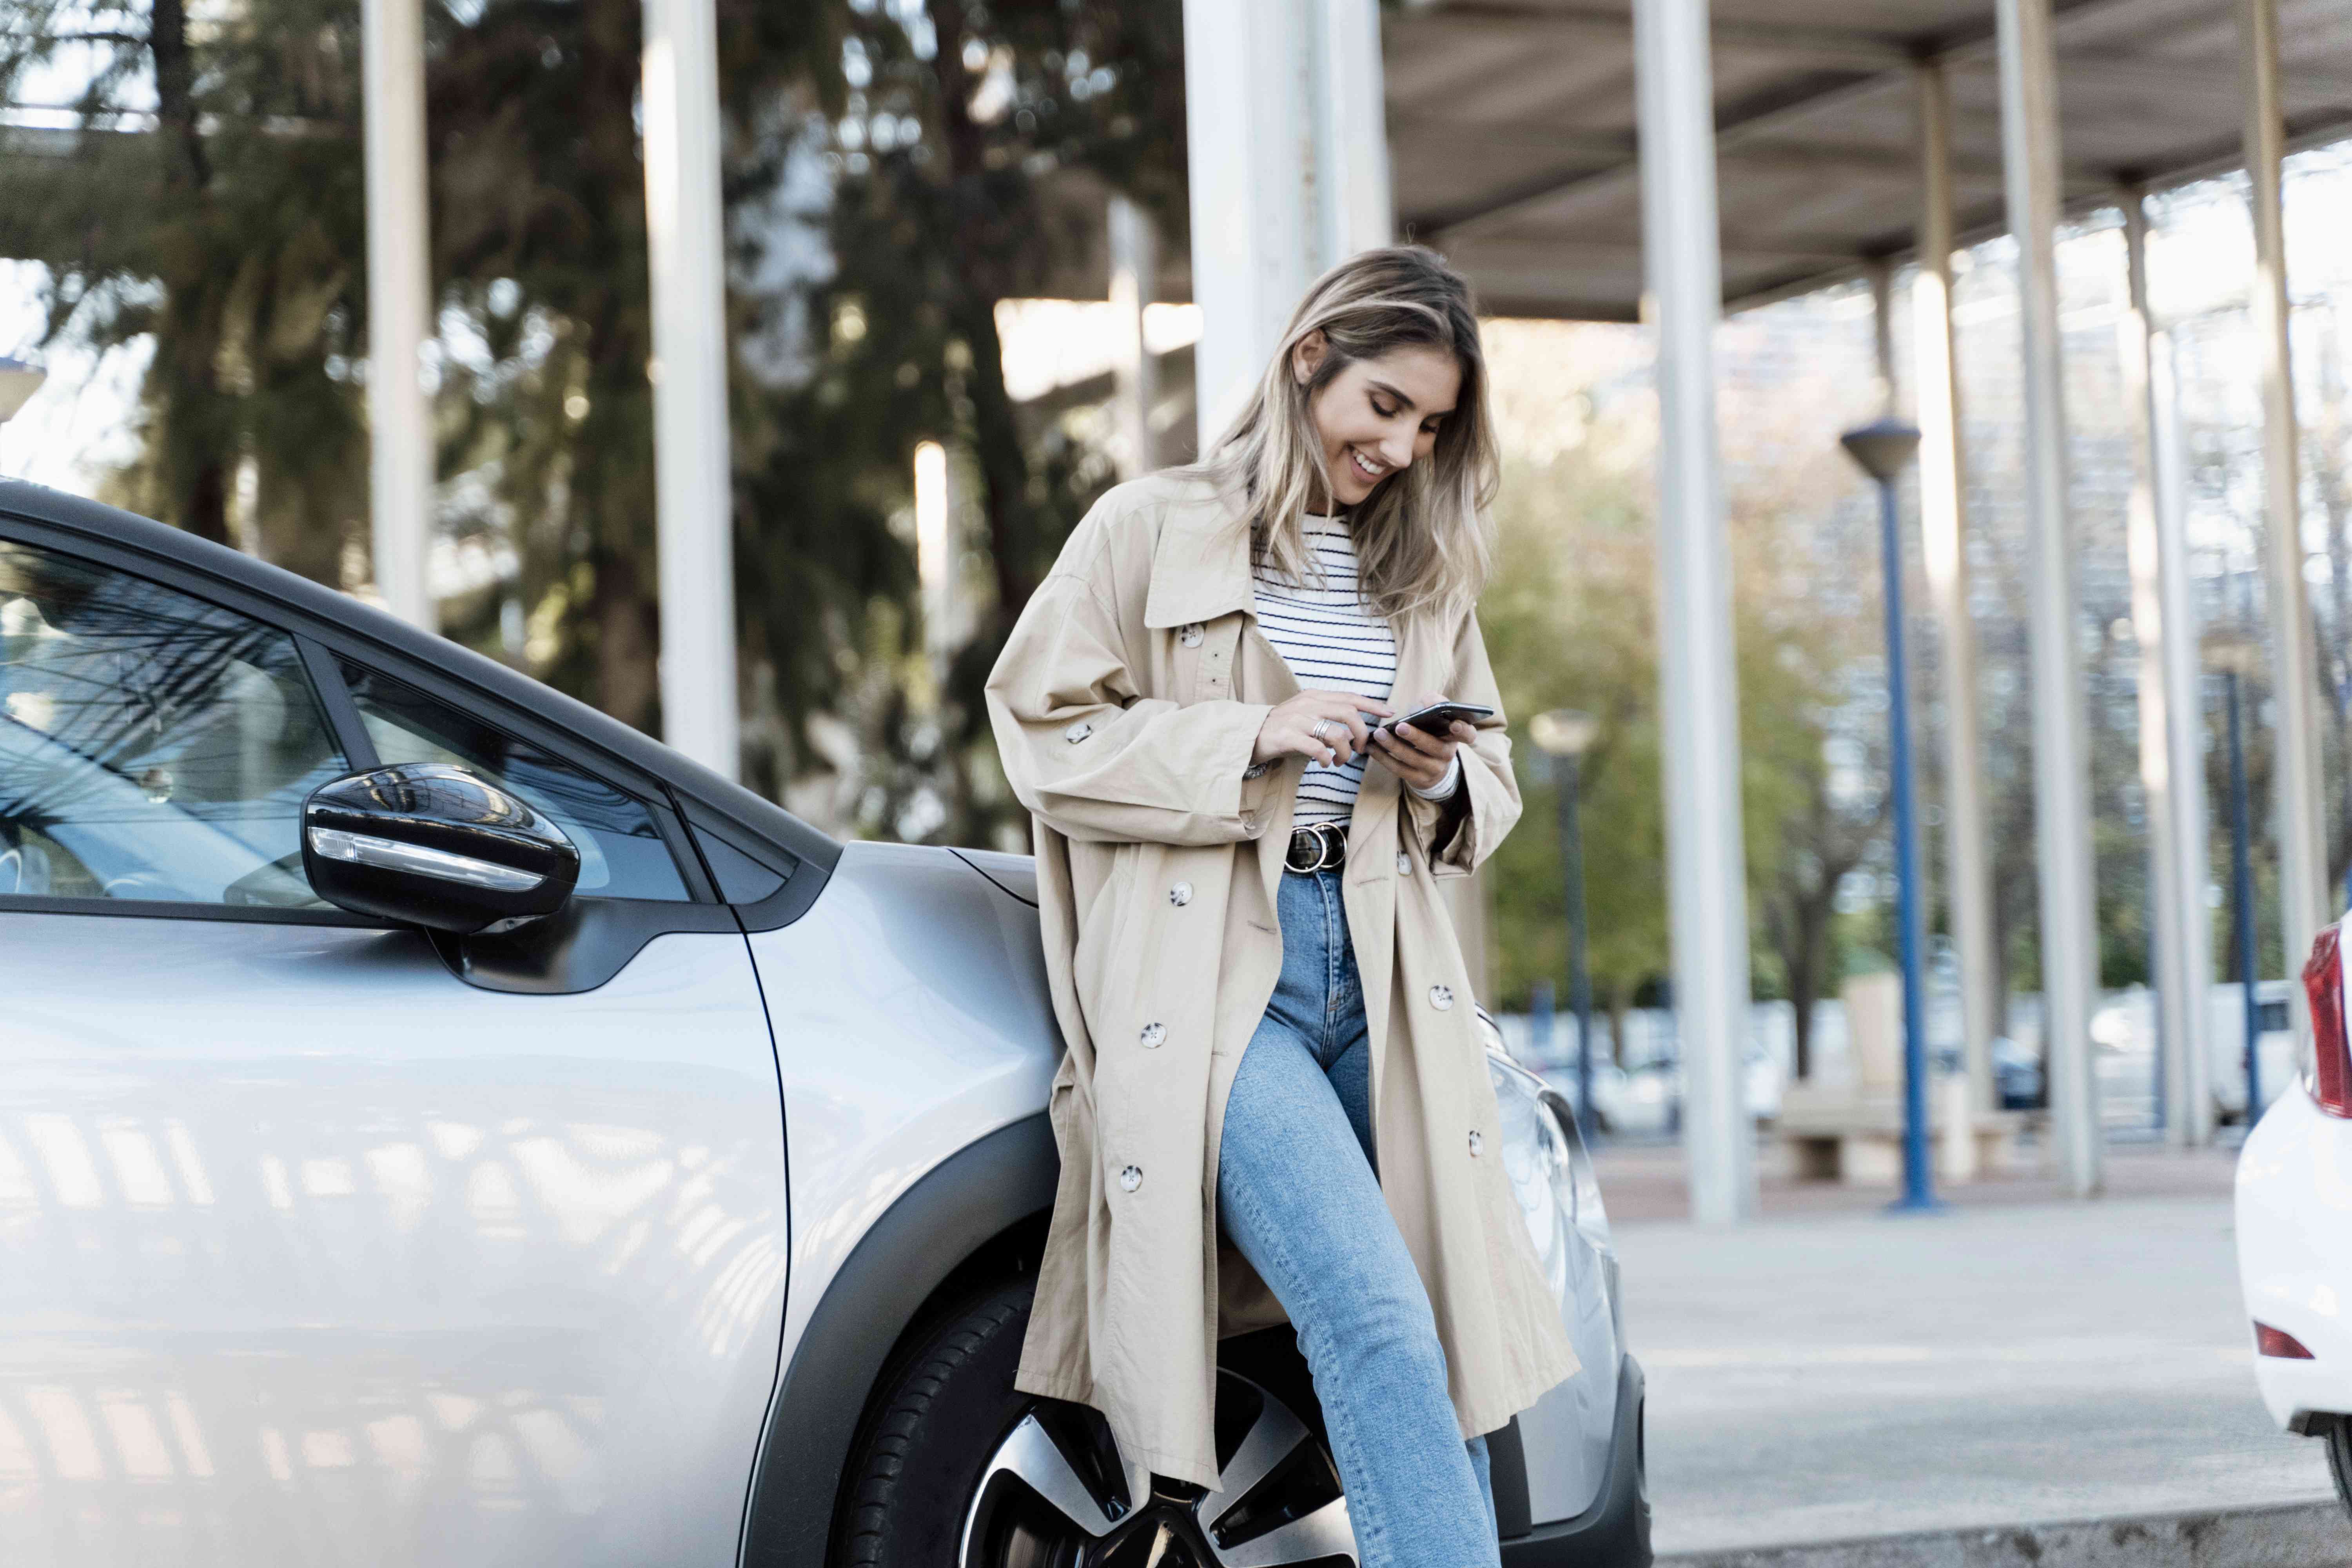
[[996, 1188]]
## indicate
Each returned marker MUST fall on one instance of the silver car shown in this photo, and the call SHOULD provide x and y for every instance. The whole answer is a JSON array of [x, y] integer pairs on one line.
[[440, 1125]]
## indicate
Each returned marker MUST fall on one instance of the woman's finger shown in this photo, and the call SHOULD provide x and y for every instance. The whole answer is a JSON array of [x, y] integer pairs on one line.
[[1428, 745], [1343, 710], [1406, 763]]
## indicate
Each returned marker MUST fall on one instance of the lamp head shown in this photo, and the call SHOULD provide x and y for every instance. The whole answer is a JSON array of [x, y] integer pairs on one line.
[[1883, 447], [18, 381], [1564, 732], [2235, 652]]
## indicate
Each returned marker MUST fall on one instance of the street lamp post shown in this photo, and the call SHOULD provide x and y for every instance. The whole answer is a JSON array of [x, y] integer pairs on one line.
[[1563, 734], [2237, 656], [1884, 450]]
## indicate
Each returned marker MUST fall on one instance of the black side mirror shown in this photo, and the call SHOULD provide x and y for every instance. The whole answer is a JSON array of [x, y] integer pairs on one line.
[[435, 845]]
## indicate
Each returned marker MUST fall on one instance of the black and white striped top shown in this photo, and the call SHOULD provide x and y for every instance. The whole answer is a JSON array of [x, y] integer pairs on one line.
[[1332, 641]]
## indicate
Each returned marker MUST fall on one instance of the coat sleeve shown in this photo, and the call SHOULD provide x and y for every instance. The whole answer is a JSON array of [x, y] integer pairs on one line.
[[1458, 832], [1097, 760]]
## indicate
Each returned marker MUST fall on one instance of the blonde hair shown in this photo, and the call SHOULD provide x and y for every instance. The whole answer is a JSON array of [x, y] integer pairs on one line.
[[1420, 537]]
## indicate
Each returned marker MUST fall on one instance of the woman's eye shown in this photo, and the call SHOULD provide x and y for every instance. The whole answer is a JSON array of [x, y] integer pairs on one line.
[[1384, 413]]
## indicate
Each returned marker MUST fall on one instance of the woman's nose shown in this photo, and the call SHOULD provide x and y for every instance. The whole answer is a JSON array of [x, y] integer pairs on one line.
[[1396, 449]]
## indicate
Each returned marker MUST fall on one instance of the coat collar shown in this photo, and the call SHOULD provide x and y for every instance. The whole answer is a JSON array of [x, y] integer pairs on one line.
[[1200, 566]]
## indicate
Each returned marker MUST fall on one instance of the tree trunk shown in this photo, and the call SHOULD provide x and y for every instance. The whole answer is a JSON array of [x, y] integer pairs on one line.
[[627, 645], [1014, 543], [175, 107], [201, 504], [204, 513]]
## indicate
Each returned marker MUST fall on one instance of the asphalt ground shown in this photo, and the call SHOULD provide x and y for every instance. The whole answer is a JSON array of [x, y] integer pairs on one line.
[[1832, 1375]]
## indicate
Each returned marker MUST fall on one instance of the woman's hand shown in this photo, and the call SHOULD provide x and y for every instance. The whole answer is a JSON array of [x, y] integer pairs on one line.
[[1422, 760], [1339, 715]]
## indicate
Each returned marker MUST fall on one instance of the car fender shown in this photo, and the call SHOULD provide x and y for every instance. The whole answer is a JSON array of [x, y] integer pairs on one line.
[[976, 1193]]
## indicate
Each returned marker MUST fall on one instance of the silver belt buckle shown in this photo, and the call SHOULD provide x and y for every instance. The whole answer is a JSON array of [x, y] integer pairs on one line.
[[1329, 847]]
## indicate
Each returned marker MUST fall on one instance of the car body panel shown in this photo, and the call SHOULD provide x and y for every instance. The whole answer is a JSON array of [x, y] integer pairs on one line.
[[1566, 1434], [311, 1253], [2293, 1212], [912, 1018]]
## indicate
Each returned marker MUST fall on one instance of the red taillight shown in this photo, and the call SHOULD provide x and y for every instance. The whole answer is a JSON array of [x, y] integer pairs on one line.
[[2331, 1056], [2278, 1342]]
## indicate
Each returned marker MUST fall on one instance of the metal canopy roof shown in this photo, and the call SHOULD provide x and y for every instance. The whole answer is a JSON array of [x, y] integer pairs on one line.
[[1511, 129]]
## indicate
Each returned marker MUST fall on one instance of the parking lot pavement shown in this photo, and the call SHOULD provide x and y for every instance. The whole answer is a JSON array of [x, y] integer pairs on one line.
[[1829, 1377]]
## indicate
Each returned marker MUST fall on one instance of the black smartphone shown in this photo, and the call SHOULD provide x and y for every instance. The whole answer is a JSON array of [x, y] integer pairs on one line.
[[1438, 717]]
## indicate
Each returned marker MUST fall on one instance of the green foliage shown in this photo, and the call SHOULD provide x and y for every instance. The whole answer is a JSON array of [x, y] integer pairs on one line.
[[231, 230]]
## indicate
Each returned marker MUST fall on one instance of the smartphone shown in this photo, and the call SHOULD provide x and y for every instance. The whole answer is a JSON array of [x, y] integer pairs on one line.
[[1435, 719]]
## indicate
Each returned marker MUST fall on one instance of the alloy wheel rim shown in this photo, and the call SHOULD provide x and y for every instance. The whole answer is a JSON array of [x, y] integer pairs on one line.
[[1057, 1493]]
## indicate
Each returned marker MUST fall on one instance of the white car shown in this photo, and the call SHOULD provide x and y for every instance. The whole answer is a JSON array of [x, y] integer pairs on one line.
[[440, 1125], [2294, 1217]]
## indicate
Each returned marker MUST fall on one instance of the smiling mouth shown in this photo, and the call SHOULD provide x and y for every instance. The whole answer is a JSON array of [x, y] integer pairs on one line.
[[1366, 467]]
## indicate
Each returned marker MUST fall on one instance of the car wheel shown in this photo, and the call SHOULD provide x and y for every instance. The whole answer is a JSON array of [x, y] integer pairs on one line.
[[2339, 1458], [954, 1466]]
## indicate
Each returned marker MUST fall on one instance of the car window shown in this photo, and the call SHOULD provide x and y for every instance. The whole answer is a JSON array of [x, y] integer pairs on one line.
[[622, 855], [153, 746]]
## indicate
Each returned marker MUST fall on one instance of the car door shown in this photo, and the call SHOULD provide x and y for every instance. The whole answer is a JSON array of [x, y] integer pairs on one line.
[[311, 1250]]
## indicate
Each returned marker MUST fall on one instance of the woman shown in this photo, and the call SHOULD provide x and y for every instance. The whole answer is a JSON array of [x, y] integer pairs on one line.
[[1274, 1101]]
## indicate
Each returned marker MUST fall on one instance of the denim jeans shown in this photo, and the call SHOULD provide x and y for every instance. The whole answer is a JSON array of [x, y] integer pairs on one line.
[[1297, 1193]]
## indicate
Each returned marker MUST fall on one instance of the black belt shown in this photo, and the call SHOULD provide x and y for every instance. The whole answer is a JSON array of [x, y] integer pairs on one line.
[[1322, 848]]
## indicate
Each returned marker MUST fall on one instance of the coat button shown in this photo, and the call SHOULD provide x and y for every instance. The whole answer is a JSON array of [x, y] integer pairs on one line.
[[1404, 864], [1152, 1034], [1180, 894], [1189, 636], [1441, 997], [1477, 1142], [1130, 1177], [1078, 732]]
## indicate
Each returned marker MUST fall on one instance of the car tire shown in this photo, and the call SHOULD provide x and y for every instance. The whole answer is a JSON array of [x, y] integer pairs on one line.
[[939, 1411], [953, 1465], [2338, 1438]]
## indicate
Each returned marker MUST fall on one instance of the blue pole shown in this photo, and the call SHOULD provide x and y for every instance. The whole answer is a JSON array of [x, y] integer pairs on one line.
[[1566, 785], [1918, 1191], [2241, 898]]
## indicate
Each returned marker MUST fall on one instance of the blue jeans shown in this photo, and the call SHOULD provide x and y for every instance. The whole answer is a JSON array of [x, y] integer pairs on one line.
[[1297, 1193]]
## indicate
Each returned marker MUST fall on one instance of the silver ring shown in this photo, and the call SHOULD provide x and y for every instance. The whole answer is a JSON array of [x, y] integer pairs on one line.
[[1321, 728]]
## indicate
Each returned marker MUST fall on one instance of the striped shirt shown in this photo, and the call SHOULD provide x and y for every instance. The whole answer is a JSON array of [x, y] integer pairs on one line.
[[1333, 641]]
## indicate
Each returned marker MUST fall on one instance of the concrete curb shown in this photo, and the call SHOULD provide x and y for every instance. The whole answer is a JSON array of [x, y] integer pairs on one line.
[[2297, 1535]]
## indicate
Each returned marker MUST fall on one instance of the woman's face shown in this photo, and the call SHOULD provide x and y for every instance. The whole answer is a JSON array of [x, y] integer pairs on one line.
[[1376, 416]]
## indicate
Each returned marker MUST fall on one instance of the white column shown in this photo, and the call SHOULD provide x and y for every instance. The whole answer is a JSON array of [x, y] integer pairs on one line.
[[400, 305], [1287, 148], [1356, 207], [1705, 861], [1248, 135], [2171, 726], [693, 495], [2304, 898], [1134, 246], [1968, 883], [2069, 952]]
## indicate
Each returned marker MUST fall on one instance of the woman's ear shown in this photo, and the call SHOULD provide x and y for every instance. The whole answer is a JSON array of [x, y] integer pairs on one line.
[[1307, 357]]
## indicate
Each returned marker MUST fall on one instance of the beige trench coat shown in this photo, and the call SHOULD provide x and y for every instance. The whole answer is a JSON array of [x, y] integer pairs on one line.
[[1125, 708]]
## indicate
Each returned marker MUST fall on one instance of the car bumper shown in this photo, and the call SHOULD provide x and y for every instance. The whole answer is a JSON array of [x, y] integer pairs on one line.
[[2293, 1210], [1615, 1532]]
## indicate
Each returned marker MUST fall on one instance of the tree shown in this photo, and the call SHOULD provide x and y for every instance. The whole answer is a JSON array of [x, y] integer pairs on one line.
[[886, 178], [961, 135]]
